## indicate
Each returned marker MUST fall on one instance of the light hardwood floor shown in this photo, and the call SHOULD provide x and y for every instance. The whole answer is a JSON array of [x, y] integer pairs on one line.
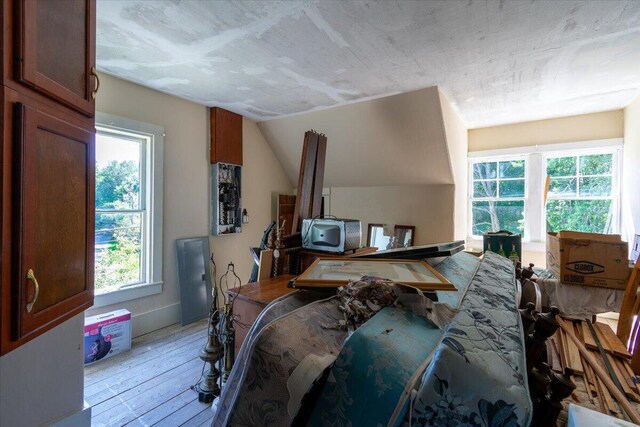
[[150, 385]]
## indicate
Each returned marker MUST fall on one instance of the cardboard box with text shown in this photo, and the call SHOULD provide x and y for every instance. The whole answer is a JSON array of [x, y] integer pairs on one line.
[[588, 259]]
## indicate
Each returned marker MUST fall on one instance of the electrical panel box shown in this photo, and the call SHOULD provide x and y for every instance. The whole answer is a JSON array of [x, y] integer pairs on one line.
[[226, 199]]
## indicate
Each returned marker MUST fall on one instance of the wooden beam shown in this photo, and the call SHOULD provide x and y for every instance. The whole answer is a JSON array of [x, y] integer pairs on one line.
[[628, 302], [601, 374], [318, 177]]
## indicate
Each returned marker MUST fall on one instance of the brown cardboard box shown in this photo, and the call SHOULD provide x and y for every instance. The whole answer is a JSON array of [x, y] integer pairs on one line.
[[588, 259]]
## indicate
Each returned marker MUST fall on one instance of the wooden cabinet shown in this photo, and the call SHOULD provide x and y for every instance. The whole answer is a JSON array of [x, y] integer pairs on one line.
[[252, 298], [55, 50], [48, 166], [226, 136]]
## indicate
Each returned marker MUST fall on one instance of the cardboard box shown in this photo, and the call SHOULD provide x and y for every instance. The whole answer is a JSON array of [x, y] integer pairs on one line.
[[106, 335], [504, 243], [588, 259]]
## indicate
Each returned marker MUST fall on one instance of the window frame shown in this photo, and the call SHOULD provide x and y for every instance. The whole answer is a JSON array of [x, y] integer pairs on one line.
[[471, 198], [151, 203], [534, 235]]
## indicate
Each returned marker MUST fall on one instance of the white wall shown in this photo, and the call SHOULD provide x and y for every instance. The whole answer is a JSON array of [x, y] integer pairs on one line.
[[427, 207], [186, 189], [43, 380], [457, 143], [631, 176]]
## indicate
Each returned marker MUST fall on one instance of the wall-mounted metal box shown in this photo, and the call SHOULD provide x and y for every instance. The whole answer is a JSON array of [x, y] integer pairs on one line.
[[226, 199]]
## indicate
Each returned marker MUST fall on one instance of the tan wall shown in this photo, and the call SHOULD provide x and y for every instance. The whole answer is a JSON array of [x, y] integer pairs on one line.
[[631, 177], [427, 207], [186, 183], [608, 124], [457, 144], [394, 140]]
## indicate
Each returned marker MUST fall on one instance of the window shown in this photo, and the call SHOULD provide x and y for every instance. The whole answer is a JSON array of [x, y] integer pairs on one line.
[[128, 232], [506, 189], [498, 198], [581, 195]]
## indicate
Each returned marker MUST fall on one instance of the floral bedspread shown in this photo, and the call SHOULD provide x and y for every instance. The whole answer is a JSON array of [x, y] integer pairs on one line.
[[475, 375], [279, 307], [478, 373], [263, 395]]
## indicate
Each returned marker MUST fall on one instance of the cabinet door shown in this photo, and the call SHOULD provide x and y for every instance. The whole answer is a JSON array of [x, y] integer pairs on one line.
[[226, 136], [55, 52], [54, 182]]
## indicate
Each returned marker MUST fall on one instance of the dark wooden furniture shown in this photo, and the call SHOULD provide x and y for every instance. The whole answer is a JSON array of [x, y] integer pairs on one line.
[[226, 136], [48, 161], [253, 298], [310, 179]]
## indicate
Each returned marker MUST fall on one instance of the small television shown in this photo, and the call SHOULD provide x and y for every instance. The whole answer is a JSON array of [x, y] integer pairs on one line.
[[331, 235]]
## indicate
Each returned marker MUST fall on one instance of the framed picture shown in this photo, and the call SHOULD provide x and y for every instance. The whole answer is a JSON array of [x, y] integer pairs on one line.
[[335, 272], [402, 237]]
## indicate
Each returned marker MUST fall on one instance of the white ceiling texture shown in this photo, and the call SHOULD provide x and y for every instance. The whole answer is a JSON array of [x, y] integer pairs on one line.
[[498, 61]]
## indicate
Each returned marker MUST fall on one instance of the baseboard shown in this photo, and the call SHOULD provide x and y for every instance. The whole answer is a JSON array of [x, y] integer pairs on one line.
[[81, 418], [153, 320]]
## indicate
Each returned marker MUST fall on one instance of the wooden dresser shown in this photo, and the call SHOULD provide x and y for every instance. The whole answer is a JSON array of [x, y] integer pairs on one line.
[[253, 298]]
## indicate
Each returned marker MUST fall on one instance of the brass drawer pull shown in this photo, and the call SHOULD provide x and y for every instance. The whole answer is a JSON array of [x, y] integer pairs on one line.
[[94, 73], [32, 277]]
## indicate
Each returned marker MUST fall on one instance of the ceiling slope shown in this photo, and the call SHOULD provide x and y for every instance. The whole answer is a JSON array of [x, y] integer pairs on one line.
[[396, 140]]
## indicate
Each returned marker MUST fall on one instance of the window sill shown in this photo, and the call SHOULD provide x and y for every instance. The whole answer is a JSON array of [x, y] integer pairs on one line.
[[477, 244], [127, 294]]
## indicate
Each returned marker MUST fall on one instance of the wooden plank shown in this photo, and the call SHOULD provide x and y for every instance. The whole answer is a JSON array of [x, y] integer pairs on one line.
[[560, 343], [128, 377], [598, 388], [127, 380], [139, 400], [306, 197], [303, 162], [628, 302], [139, 344], [586, 379], [616, 346], [589, 342], [151, 345], [183, 414], [553, 356], [573, 355], [318, 177], [305, 180], [632, 376], [204, 418], [165, 409], [631, 411], [266, 264], [621, 377]]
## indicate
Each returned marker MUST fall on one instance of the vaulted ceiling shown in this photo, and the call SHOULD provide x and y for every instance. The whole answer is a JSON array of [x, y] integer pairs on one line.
[[497, 61]]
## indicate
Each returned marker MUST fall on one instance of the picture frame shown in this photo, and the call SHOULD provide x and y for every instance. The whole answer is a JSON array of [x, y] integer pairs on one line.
[[403, 236], [331, 272]]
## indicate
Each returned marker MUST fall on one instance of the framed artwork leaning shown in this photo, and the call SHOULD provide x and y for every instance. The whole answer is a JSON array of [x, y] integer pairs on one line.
[[402, 236], [334, 272]]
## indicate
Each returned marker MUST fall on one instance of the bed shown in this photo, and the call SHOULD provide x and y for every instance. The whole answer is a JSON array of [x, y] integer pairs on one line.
[[296, 367]]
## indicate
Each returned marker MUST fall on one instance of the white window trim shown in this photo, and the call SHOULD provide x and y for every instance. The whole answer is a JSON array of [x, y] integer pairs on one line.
[[153, 200], [534, 238]]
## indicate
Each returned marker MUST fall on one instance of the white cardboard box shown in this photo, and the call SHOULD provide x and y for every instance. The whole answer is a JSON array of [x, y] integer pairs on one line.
[[106, 335]]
